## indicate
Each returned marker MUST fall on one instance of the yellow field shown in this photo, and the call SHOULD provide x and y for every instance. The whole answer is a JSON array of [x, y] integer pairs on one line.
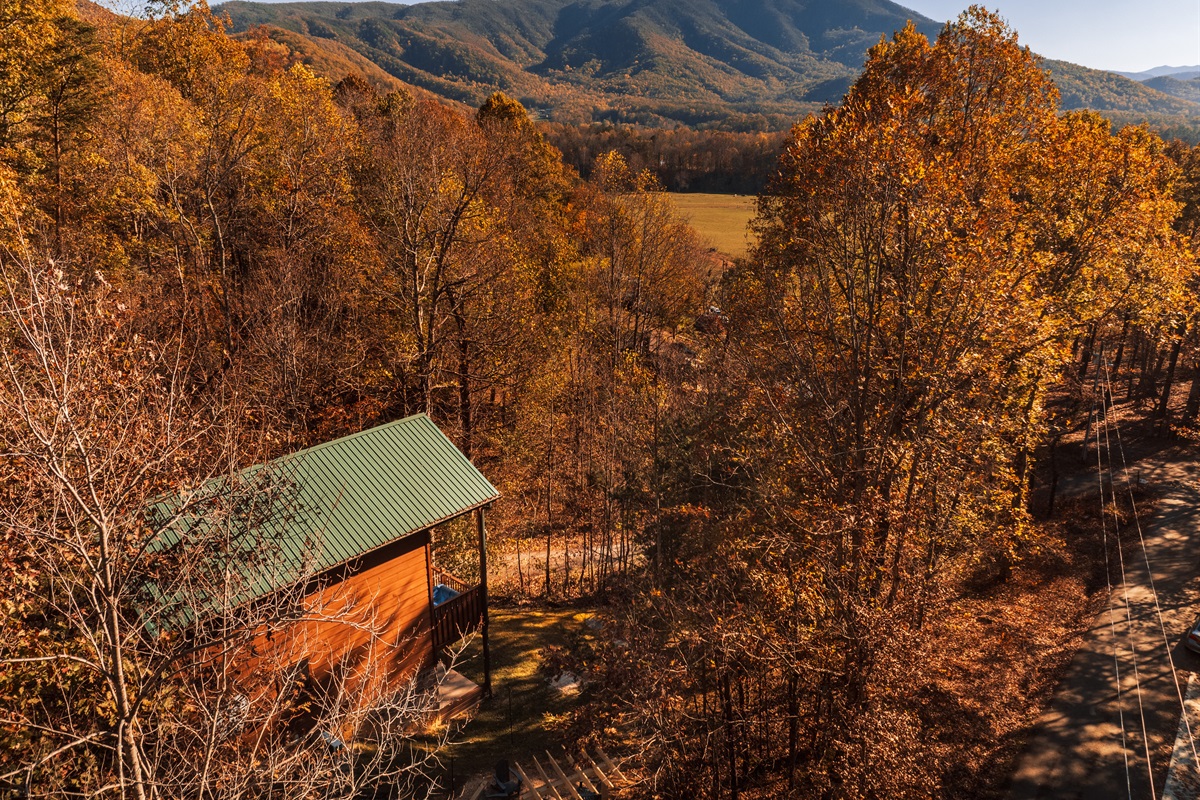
[[720, 218]]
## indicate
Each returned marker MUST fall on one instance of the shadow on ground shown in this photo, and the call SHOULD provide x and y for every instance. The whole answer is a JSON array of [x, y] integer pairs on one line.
[[525, 713]]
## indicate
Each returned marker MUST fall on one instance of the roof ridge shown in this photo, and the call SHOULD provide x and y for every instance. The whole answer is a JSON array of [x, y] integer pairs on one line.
[[343, 439]]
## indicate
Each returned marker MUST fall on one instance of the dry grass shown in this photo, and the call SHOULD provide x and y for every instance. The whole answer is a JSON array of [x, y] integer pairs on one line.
[[720, 218]]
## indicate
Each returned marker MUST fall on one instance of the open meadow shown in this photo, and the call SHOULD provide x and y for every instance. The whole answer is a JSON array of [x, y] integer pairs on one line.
[[720, 218]]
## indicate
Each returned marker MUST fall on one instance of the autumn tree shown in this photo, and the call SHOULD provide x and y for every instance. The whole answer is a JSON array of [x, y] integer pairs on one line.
[[930, 291], [305, 302], [133, 661], [1188, 337], [217, 181], [49, 86], [927, 255], [30, 32], [463, 212], [591, 437], [423, 178]]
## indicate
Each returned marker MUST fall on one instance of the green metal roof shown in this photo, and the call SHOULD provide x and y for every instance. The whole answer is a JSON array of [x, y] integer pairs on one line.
[[305, 513], [385, 483]]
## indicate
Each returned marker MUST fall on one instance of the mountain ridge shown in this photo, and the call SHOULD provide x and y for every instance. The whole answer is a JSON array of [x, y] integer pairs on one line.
[[1158, 72], [742, 64]]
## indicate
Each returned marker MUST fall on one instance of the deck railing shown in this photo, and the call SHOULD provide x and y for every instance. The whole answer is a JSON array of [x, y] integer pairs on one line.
[[458, 616], [453, 581]]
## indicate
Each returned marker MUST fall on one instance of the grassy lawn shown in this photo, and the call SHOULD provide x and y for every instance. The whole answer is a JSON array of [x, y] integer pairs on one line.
[[518, 637], [720, 218]]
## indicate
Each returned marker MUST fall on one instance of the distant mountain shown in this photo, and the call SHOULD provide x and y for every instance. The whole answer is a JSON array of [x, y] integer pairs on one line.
[[1185, 86], [749, 64], [1081, 87], [1159, 72], [651, 61]]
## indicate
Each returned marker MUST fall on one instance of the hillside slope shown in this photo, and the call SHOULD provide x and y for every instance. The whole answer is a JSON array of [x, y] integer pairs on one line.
[[654, 61], [1177, 86], [749, 64], [1082, 87], [330, 58]]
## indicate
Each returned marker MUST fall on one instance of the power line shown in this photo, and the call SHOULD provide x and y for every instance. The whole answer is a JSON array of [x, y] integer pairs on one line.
[[1137, 684], [1146, 559], [1113, 629]]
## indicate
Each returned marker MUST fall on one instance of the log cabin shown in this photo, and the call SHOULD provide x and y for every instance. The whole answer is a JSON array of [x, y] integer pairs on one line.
[[353, 542]]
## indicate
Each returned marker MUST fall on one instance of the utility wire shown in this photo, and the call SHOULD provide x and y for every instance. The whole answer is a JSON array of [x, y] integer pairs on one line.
[[1146, 558], [1137, 684], [1112, 624]]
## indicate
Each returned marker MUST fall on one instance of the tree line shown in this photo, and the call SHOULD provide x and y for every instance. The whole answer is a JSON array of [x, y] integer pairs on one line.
[[682, 159], [212, 257]]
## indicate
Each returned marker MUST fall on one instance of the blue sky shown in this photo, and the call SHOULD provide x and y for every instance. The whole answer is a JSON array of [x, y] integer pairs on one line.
[[1128, 35]]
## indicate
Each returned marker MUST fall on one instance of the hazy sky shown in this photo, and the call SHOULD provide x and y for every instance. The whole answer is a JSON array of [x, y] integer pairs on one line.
[[1128, 35]]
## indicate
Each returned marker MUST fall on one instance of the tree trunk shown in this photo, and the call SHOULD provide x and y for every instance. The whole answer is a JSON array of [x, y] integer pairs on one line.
[[566, 566], [1164, 403], [730, 744], [1088, 345], [549, 499], [793, 731], [1053, 475], [464, 384], [1149, 385], [520, 569], [1133, 360], [1116, 367], [1192, 410]]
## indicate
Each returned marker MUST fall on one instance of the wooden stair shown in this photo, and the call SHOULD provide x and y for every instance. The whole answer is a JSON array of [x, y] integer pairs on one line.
[[457, 695], [562, 778]]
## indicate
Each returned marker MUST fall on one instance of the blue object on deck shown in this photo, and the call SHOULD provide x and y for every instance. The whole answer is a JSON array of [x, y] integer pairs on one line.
[[442, 593], [332, 742]]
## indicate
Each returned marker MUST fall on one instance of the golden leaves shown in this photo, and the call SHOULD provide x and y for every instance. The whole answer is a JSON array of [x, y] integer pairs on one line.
[[928, 252]]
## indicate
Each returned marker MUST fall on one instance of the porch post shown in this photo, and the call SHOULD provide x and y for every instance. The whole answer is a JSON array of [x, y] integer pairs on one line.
[[483, 580], [432, 657]]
